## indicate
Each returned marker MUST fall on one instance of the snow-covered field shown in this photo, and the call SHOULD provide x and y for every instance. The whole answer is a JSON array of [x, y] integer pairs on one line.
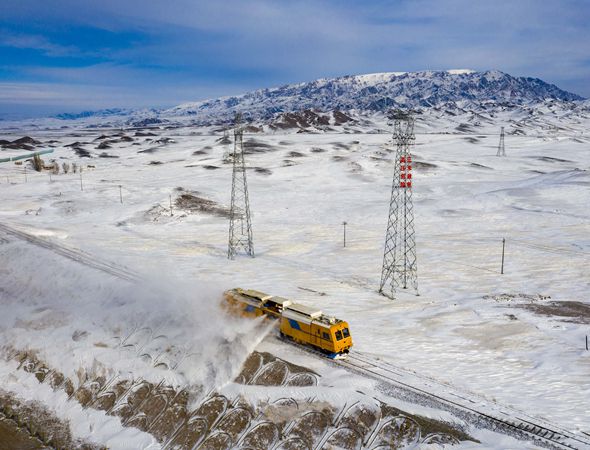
[[460, 330]]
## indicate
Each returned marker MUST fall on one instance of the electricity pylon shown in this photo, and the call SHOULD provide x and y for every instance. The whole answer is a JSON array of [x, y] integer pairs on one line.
[[400, 268], [226, 142], [240, 225], [501, 147]]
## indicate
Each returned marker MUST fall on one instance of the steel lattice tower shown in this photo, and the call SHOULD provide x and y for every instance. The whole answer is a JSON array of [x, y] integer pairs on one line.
[[501, 147], [227, 152], [400, 268], [240, 225]]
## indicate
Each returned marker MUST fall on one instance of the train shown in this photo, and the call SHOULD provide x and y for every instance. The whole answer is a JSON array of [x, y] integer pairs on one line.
[[299, 323]]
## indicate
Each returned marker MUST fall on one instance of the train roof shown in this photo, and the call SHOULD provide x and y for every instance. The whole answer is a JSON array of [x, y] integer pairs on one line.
[[284, 302], [254, 294], [304, 310]]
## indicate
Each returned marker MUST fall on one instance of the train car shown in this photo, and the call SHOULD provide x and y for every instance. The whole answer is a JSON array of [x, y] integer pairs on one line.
[[297, 322], [246, 302], [252, 303], [309, 326]]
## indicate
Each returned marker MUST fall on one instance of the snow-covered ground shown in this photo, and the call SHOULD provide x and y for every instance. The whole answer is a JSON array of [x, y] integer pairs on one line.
[[456, 331]]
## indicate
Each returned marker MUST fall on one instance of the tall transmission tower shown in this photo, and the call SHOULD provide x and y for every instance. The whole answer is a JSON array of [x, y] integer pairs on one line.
[[501, 147], [400, 268], [240, 225], [226, 142]]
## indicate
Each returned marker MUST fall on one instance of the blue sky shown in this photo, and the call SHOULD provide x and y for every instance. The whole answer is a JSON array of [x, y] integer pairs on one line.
[[73, 55]]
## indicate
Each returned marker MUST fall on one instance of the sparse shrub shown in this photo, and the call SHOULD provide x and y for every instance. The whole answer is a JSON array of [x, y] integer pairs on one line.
[[74, 167], [65, 167], [55, 168], [38, 163]]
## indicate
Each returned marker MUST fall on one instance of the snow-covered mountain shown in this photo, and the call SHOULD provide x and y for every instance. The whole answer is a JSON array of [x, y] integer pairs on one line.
[[448, 101], [381, 91]]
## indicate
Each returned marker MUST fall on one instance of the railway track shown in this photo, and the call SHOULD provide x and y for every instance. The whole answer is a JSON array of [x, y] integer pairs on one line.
[[478, 411], [493, 416], [400, 382], [73, 254]]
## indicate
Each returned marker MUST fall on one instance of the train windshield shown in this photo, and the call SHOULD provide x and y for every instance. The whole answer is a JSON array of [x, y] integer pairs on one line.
[[345, 332], [338, 335]]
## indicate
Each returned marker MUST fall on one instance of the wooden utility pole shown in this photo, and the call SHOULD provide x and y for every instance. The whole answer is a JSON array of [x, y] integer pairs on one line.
[[503, 247]]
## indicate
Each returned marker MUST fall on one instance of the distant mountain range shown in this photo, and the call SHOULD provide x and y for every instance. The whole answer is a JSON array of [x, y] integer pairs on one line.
[[381, 91], [447, 90]]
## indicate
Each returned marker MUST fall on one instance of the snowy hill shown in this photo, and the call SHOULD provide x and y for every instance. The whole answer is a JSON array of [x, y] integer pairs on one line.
[[381, 91], [455, 101], [113, 266]]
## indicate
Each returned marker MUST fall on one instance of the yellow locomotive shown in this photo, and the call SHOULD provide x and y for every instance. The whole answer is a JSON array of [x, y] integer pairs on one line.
[[297, 322]]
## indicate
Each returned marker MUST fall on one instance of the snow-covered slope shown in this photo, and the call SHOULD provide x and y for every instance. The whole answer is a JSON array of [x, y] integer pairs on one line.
[[381, 91], [515, 339], [461, 101]]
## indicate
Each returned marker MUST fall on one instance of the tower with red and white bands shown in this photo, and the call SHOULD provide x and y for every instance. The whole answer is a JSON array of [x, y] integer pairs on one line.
[[400, 269]]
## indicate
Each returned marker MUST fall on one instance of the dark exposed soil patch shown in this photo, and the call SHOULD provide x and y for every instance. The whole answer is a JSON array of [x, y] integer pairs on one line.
[[317, 150], [507, 297], [295, 154], [252, 146], [218, 422], [480, 166], [26, 140], [301, 119], [37, 425], [24, 143], [339, 158], [265, 369], [155, 163], [195, 204], [341, 146], [355, 167], [471, 140], [164, 140], [79, 335], [106, 155], [103, 146], [13, 436], [149, 150], [464, 128], [429, 427], [82, 153], [76, 144], [144, 134], [200, 152], [262, 170], [341, 118], [550, 159], [225, 140], [210, 167], [569, 311], [421, 165]]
